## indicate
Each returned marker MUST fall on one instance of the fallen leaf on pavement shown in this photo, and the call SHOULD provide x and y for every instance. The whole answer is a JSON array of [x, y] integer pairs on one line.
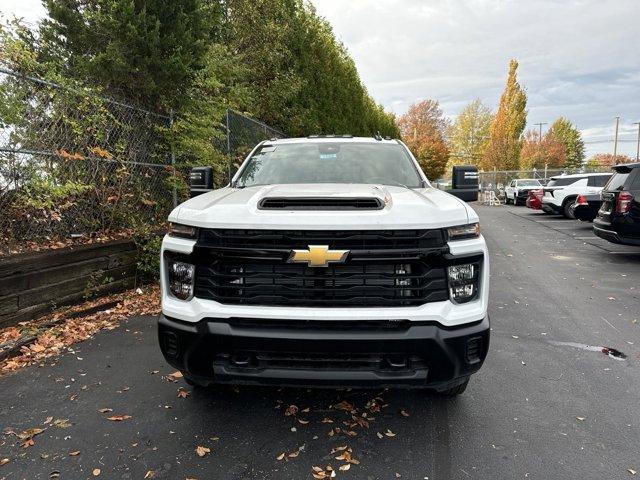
[[327, 420], [27, 443], [48, 420], [404, 413], [150, 474], [291, 410], [30, 433], [345, 467], [389, 433], [3, 461], [96, 472], [119, 418], [62, 423], [303, 422], [182, 393], [631, 471], [306, 410], [281, 456], [344, 405], [582, 419], [202, 451], [173, 377], [105, 410], [379, 435], [75, 453]]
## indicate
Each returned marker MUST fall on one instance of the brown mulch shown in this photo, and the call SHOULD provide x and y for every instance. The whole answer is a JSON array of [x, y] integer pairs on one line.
[[71, 326]]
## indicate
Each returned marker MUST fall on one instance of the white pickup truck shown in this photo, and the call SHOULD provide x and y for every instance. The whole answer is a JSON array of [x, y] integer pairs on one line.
[[327, 261], [518, 189]]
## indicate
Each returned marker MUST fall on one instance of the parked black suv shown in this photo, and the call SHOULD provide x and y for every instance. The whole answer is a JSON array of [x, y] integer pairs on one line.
[[619, 217]]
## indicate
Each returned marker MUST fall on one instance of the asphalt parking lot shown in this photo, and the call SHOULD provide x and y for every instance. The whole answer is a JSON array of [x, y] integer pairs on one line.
[[547, 404]]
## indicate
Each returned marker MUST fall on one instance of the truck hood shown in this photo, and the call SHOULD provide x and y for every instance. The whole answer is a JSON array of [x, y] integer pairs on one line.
[[403, 208]]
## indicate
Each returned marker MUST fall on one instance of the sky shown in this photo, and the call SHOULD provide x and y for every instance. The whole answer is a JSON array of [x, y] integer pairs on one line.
[[578, 58]]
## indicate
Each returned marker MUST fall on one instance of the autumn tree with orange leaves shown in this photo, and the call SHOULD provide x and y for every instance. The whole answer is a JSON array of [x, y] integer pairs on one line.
[[423, 130], [538, 153], [606, 160], [503, 151]]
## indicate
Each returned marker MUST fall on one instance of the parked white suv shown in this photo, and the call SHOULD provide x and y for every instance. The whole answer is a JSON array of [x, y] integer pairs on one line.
[[326, 261], [517, 191], [561, 192]]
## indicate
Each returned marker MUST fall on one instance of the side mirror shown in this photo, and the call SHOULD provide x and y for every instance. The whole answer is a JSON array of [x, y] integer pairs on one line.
[[200, 180]]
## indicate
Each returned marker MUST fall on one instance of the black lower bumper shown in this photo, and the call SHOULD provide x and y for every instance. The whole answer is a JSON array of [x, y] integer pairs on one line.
[[325, 353], [613, 236]]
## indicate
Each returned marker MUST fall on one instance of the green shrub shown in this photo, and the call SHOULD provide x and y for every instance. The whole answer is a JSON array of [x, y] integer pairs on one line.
[[148, 263]]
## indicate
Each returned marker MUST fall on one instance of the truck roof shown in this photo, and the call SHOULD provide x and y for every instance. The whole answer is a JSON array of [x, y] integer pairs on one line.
[[329, 139]]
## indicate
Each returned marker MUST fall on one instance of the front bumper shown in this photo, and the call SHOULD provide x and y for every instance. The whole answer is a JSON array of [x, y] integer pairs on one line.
[[394, 353]]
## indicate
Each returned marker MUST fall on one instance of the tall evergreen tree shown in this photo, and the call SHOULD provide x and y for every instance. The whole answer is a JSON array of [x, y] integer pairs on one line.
[[503, 151], [564, 131], [143, 51]]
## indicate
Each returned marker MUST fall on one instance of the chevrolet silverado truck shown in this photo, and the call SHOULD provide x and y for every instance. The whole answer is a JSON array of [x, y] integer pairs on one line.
[[327, 261]]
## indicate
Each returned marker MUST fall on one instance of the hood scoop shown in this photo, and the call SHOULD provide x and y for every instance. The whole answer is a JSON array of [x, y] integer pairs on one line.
[[319, 203]]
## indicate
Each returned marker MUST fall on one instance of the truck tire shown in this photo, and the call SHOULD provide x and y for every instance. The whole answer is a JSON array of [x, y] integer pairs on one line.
[[194, 382], [455, 391]]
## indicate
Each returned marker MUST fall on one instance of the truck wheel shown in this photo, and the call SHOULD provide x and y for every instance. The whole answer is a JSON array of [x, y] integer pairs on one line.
[[457, 390], [193, 382], [566, 209]]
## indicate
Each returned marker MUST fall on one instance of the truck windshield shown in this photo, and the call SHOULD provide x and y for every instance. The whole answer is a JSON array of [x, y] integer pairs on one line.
[[330, 162]]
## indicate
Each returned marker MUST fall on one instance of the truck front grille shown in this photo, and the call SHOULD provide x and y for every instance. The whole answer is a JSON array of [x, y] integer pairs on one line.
[[253, 283], [389, 268]]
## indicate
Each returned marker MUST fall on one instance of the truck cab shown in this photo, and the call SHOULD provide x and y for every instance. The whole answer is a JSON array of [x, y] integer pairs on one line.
[[327, 261]]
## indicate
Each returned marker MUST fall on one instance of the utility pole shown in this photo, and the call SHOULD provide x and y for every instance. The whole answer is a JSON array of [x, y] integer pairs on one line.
[[638, 145], [540, 126], [615, 143]]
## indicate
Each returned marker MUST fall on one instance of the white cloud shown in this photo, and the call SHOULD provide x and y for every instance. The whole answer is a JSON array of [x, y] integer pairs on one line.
[[578, 58]]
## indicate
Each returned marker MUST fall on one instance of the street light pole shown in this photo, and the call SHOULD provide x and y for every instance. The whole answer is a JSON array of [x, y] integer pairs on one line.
[[638, 145]]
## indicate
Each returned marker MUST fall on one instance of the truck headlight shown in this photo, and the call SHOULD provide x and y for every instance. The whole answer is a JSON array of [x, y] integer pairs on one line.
[[463, 282], [180, 279], [182, 231], [461, 232]]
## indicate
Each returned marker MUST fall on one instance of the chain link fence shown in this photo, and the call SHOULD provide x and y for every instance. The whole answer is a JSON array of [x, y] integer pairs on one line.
[[77, 165], [498, 179], [242, 134]]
